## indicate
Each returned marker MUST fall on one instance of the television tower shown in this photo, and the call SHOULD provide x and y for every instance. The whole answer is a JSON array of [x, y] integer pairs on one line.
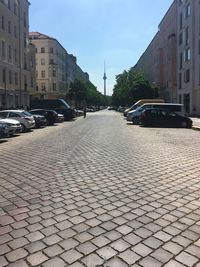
[[104, 78]]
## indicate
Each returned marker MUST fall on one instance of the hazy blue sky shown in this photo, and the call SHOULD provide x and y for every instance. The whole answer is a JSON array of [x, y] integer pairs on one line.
[[117, 31]]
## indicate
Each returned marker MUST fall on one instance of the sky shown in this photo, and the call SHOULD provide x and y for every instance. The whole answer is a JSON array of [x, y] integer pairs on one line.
[[114, 31]]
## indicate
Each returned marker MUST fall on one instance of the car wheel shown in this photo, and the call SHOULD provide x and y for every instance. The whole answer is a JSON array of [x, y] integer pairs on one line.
[[134, 120], [23, 128], [184, 124]]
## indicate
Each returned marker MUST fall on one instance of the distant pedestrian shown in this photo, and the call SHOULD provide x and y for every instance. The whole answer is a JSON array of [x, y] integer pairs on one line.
[[84, 112]]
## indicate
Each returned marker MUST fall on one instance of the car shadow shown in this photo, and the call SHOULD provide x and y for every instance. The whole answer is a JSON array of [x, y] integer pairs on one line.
[[3, 141]]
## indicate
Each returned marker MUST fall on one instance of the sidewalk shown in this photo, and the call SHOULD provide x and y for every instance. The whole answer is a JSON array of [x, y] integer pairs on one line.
[[196, 123]]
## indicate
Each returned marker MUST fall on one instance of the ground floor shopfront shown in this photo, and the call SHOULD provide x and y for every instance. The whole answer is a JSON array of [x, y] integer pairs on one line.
[[13, 98]]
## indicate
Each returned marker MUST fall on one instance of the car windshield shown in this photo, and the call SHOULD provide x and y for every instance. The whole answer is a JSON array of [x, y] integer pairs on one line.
[[27, 113]]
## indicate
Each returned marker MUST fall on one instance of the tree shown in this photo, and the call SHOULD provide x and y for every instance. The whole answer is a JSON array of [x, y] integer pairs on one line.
[[86, 93], [130, 87], [77, 92]]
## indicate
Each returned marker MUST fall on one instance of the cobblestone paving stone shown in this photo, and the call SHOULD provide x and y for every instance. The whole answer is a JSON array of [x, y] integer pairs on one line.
[[100, 192]]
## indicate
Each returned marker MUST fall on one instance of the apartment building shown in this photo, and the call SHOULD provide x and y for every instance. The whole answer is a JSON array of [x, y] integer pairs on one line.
[[159, 61], [73, 71], [55, 68], [188, 51], [17, 57]]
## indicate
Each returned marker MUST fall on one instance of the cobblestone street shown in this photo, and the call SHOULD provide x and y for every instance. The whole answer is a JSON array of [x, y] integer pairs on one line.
[[100, 192]]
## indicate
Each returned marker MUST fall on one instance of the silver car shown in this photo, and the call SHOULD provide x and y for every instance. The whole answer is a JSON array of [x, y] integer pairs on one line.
[[13, 126], [22, 116]]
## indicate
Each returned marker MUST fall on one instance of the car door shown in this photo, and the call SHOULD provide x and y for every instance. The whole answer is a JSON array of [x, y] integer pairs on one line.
[[172, 119], [4, 114], [15, 116]]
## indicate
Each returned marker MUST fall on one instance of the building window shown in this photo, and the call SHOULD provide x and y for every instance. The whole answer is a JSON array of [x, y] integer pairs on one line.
[[54, 73], [9, 6], [3, 49], [10, 77], [36, 50], [181, 61], [36, 88], [187, 36], [54, 86], [3, 23], [9, 27], [25, 83], [180, 99], [16, 78], [42, 50], [180, 38], [32, 81], [42, 61], [181, 21], [24, 19], [187, 54], [31, 62], [25, 62], [15, 31], [187, 76], [51, 50], [43, 86], [51, 62], [4, 76], [15, 55], [25, 40], [180, 80], [15, 8], [9, 52], [43, 73], [187, 11]]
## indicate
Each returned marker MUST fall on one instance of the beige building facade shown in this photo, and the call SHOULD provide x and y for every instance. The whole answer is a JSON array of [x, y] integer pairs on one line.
[[159, 61], [55, 68], [17, 57], [188, 44]]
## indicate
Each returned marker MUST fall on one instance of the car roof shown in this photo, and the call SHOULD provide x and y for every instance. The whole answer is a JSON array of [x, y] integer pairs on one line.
[[13, 110], [40, 109], [164, 104]]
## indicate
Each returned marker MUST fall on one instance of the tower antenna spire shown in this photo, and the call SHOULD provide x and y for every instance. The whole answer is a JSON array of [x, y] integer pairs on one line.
[[104, 77]]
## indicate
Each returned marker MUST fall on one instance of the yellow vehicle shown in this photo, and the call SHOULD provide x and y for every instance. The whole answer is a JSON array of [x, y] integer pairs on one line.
[[141, 102]]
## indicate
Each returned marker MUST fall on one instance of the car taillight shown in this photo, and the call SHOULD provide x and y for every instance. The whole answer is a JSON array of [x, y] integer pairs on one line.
[[53, 115], [27, 118], [143, 115]]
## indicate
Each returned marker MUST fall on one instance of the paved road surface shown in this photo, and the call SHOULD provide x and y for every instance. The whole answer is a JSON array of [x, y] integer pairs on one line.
[[100, 192]]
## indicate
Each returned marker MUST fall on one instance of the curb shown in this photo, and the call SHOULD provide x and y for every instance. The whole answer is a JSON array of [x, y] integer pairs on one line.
[[197, 128]]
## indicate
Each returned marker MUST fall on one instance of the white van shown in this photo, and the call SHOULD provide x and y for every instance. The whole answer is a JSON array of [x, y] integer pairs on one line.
[[135, 114]]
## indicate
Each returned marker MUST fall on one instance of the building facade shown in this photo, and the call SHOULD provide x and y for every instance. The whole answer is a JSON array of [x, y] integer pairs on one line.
[[17, 65], [188, 44], [159, 61], [55, 68]]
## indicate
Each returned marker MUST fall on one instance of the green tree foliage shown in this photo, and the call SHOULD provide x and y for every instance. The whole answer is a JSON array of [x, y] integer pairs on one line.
[[77, 92], [130, 87], [86, 93]]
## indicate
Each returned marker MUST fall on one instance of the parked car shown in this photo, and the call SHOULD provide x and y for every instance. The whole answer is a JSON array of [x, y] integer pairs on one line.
[[140, 103], [13, 126], [134, 115], [50, 115], [79, 112], [61, 118], [22, 116], [4, 130], [40, 121], [59, 105], [160, 117]]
